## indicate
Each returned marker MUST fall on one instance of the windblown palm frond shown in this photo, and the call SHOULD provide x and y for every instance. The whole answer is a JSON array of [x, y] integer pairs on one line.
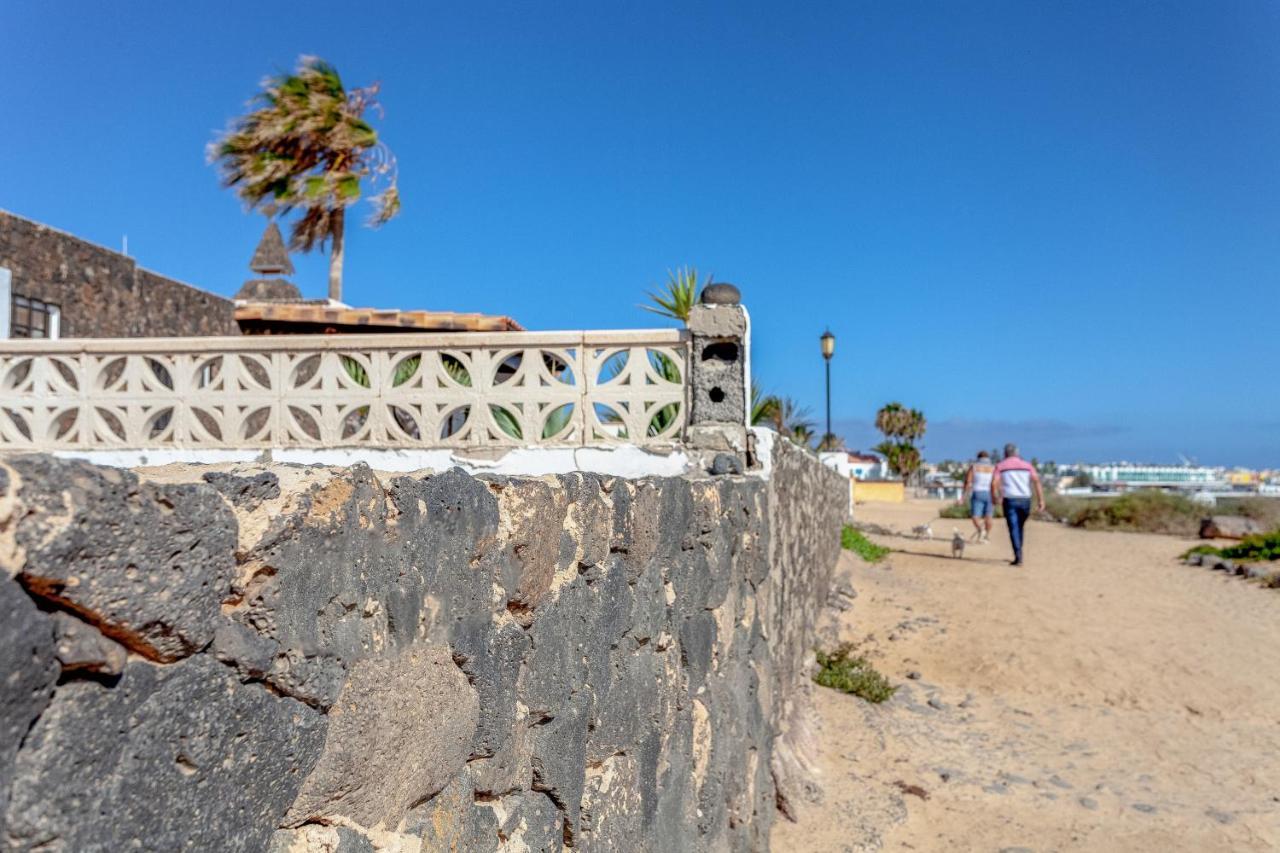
[[305, 145]]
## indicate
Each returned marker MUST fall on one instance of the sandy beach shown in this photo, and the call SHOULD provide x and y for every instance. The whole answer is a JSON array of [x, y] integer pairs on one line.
[[1104, 697]]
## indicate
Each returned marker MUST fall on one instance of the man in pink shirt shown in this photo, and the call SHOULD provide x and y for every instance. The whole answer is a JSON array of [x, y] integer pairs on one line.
[[1013, 483]]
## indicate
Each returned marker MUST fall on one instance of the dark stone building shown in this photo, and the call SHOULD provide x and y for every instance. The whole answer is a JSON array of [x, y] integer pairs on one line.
[[55, 285]]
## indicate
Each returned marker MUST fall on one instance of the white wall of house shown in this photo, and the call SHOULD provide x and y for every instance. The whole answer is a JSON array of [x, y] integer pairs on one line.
[[6, 300]]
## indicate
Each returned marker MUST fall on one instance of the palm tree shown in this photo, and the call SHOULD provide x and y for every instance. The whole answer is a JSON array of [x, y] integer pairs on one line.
[[791, 420], [902, 428], [832, 442], [305, 145], [763, 408], [677, 297]]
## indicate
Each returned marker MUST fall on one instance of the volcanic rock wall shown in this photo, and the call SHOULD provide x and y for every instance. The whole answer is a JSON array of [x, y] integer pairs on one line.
[[303, 659]]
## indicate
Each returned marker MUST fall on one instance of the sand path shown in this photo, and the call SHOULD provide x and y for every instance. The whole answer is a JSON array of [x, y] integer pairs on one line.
[[1103, 698]]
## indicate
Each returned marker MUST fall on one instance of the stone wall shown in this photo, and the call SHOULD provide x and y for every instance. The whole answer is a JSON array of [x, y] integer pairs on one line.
[[294, 658], [101, 293]]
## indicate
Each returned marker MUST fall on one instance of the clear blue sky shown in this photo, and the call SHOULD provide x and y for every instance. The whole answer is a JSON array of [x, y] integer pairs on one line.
[[1052, 223]]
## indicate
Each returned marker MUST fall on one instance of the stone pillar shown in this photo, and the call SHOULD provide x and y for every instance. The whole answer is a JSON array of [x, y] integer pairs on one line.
[[719, 372]]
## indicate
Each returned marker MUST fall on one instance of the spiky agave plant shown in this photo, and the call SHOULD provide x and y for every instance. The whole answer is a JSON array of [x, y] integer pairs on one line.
[[305, 145], [677, 297]]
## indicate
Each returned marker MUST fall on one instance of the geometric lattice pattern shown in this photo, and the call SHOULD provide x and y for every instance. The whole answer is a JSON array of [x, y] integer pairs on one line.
[[414, 390]]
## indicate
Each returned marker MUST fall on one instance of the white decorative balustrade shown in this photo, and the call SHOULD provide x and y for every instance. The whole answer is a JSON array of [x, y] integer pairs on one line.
[[457, 390]]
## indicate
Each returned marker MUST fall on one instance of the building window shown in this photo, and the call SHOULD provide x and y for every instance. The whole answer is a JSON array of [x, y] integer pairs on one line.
[[33, 318]]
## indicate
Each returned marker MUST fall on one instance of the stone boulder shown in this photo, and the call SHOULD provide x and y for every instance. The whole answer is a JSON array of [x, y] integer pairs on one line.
[[179, 757], [147, 564], [399, 731], [1228, 527], [29, 672]]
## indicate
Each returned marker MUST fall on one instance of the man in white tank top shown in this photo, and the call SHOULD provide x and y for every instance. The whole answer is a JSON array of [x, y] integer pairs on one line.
[[977, 484], [1014, 483]]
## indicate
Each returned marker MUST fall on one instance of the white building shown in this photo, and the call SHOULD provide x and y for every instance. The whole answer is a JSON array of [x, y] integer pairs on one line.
[[855, 465], [1125, 475]]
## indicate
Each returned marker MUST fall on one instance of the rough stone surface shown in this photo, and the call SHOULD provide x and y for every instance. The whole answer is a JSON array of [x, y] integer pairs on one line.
[[717, 370], [400, 730], [807, 508], [721, 293], [726, 463], [431, 661], [247, 493], [28, 670], [718, 321], [179, 757], [81, 648], [147, 564]]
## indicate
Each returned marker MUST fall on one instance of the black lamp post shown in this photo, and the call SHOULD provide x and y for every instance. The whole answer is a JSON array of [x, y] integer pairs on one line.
[[828, 350]]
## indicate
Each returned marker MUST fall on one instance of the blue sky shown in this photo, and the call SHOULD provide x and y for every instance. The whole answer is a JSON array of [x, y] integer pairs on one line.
[[1051, 223]]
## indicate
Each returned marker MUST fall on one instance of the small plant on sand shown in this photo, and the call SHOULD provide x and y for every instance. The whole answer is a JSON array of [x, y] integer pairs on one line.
[[841, 670], [852, 539]]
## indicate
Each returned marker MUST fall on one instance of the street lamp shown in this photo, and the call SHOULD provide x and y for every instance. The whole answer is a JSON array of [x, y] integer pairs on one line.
[[828, 349]]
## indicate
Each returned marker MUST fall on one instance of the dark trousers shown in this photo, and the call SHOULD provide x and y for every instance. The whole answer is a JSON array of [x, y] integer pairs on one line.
[[1016, 511]]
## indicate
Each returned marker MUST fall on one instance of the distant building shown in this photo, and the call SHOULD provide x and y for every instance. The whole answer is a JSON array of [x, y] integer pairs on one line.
[[54, 285], [942, 486], [855, 465], [1123, 475]]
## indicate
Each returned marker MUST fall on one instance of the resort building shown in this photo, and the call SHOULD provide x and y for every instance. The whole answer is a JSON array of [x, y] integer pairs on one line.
[[1123, 475]]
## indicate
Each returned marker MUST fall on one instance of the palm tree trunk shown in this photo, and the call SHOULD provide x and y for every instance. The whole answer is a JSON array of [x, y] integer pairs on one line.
[[335, 255]]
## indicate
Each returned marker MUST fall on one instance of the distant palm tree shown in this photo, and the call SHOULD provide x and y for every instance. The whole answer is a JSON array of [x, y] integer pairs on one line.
[[764, 407], [831, 442], [305, 145], [902, 428], [792, 421], [677, 297]]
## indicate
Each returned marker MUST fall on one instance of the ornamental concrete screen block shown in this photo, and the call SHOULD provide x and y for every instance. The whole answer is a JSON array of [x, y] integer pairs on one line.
[[718, 372]]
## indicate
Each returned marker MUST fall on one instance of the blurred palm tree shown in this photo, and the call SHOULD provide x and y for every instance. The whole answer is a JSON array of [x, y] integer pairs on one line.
[[677, 297], [305, 145], [902, 428], [764, 407], [793, 421], [802, 434]]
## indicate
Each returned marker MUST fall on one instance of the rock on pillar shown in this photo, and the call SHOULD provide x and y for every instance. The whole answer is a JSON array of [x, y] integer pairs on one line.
[[719, 372]]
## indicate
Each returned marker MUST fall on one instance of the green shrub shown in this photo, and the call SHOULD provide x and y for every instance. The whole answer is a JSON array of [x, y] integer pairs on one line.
[[840, 670], [1146, 512], [1201, 549], [851, 539], [1260, 546]]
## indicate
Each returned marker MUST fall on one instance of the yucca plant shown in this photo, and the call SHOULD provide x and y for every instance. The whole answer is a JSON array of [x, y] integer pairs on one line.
[[305, 145], [677, 297]]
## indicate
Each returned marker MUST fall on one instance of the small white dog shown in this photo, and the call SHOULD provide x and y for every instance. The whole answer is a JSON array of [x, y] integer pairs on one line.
[[923, 531]]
